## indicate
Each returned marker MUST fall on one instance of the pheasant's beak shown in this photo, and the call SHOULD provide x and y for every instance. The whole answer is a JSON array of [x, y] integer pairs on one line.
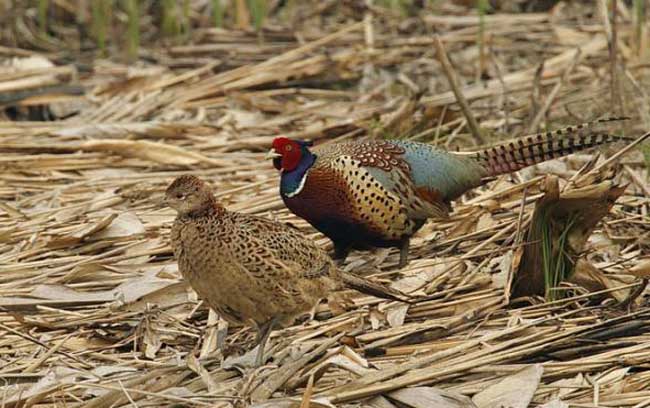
[[272, 154]]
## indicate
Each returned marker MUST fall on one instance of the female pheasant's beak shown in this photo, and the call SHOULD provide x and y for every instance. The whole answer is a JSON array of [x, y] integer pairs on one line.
[[272, 154]]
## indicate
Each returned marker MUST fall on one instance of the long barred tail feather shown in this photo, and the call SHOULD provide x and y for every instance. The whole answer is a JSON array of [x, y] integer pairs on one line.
[[526, 151]]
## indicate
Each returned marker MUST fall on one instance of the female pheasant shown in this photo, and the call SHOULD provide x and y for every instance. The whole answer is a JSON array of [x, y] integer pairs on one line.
[[379, 193], [248, 268]]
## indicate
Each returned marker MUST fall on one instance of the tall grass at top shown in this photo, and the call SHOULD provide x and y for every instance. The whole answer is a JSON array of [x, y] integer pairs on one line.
[[170, 24], [258, 10], [42, 15], [101, 15], [186, 22], [399, 6], [217, 13], [133, 27]]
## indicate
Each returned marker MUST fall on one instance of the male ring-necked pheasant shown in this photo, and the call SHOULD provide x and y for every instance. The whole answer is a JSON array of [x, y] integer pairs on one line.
[[379, 193], [248, 268]]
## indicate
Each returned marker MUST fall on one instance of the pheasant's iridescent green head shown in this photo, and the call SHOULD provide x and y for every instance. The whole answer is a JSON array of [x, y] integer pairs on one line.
[[189, 195], [288, 153]]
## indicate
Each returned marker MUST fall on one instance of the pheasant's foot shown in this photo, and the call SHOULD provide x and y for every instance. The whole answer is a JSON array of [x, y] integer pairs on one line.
[[263, 333], [341, 252], [403, 253]]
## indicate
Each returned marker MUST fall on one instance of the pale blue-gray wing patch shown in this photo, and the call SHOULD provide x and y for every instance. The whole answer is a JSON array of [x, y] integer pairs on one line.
[[433, 168]]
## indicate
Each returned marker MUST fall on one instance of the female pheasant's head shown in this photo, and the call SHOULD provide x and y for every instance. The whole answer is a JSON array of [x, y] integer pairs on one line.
[[288, 154], [189, 195]]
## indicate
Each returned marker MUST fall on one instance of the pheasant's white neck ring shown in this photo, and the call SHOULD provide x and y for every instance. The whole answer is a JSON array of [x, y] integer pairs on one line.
[[292, 182], [301, 185]]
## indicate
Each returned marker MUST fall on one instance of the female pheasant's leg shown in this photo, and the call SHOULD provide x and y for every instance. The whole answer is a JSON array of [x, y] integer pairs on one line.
[[404, 252], [263, 332]]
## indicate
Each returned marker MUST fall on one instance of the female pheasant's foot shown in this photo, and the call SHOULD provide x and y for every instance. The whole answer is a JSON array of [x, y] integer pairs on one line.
[[263, 333], [403, 253]]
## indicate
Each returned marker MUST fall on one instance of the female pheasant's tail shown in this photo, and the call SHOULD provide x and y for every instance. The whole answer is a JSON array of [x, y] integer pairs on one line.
[[529, 150], [374, 289]]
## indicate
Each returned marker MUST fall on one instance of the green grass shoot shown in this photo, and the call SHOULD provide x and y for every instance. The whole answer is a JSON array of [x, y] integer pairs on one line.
[[288, 11], [100, 15], [133, 27], [557, 264], [170, 25], [399, 6], [186, 23], [258, 9], [217, 13], [42, 15]]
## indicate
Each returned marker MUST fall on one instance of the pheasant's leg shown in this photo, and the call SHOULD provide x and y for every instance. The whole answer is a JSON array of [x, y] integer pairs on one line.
[[312, 312], [404, 252], [263, 332], [341, 252]]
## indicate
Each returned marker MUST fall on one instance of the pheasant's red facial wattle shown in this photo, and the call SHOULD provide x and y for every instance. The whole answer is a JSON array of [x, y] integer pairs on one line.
[[290, 153]]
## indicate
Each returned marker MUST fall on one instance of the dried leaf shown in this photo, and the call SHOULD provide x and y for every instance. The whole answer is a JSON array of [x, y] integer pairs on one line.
[[396, 315], [425, 397], [53, 379], [64, 293], [124, 225], [143, 149], [593, 279], [485, 221], [641, 270], [556, 403], [350, 361], [33, 62], [513, 391], [82, 232], [195, 365], [132, 290], [566, 386], [156, 130], [504, 267], [293, 403], [151, 340], [380, 402], [165, 297]]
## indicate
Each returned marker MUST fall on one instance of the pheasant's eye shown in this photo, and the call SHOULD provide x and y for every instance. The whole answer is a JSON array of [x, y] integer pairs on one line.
[[180, 196], [288, 148]]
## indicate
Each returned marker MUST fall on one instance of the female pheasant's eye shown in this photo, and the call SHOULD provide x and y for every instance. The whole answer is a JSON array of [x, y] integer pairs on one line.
[[288, 148], [180, 196]]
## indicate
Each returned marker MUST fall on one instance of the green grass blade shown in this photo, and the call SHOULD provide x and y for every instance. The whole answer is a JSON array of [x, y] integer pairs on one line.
[[100, 10], [258, 12], [217, 13], [42, 15], [133, 30], [186, 22]]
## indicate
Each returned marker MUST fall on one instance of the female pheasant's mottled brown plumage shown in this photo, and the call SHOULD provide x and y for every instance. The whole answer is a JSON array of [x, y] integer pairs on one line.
[[249, 268], [379, 193]]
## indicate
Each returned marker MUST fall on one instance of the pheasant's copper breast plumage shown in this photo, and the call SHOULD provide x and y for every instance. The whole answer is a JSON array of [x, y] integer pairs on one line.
[[248, 268], [379, 193]]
